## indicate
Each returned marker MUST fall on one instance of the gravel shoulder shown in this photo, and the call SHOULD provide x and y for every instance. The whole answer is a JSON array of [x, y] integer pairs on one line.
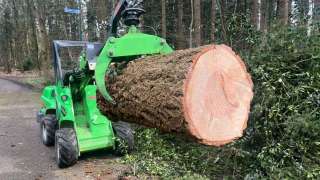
[[22, 154]]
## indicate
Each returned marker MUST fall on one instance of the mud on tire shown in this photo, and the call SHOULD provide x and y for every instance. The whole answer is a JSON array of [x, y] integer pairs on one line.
[[48, 126], [66, 147], [124, 143]]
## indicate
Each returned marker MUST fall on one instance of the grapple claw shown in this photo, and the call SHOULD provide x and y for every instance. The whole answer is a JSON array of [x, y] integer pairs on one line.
[[100, 73]]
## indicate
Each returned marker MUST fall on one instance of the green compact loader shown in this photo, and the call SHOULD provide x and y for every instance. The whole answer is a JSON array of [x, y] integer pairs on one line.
[[70, 119]]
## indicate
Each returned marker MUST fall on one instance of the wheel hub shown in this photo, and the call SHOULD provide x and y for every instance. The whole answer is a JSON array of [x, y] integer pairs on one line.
[[44, 132], [58, 152]]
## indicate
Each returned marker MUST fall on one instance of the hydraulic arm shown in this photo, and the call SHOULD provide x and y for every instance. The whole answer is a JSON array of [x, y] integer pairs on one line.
[[131, 45]]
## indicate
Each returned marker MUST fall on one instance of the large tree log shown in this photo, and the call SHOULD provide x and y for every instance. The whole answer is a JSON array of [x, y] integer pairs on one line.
[[203, 92]]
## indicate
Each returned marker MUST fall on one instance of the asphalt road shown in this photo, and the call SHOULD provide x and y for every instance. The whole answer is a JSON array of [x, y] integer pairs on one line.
[[22, 154]]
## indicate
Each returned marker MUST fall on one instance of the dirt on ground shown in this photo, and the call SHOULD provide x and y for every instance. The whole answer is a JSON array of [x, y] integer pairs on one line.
[[24, 157]]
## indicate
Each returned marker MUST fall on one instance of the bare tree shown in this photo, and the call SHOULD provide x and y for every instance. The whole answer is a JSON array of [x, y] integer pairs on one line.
[[33, 34], [17, 51], [7, 35], [42, 36]]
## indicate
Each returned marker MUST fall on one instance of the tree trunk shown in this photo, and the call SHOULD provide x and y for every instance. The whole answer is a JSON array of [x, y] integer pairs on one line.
[[316, 15], [191, 25], [84, 19], [310, 17], [283, 11], [213, 19], [7, 57], [272, 9], [290, 14], [263, 17], [101, 14], [204, 93], [254, 13], [7, 32], [181, 38], [42, 37], [223, 20], [163, 19], [197, 23], [17, 37], [302, 7], [316, 11], [33, 38]]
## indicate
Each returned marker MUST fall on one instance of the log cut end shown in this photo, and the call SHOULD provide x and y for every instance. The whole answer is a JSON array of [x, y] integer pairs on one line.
[[217, 96]]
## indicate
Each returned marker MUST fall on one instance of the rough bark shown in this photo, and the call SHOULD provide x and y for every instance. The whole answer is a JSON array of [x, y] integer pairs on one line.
[[197, 23], [283, 11], [197, 92]]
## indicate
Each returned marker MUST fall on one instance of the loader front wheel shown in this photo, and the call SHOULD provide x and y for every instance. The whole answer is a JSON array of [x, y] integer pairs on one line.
[[66, 147], [47, 129], [124, 143]]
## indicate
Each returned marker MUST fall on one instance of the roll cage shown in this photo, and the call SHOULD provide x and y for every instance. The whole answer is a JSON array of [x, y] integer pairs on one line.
[[91, 50]]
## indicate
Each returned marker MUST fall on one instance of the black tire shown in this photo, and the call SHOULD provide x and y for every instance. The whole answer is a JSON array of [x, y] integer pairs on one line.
[[48, 126], [66, 147], [124, 143]]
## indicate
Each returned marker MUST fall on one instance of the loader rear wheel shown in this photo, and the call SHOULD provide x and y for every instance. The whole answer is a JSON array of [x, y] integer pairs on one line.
[[66, 147], [124, 143], [48, 129]]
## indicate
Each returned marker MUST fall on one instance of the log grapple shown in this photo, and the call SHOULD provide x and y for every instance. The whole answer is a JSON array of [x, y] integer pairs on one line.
[[70, 118]]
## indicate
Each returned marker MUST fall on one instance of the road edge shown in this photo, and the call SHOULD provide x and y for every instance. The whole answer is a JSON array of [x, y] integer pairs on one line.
[[20, 83]]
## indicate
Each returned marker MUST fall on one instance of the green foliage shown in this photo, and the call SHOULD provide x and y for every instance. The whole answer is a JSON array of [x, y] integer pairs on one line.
[[171, 157], [28, 64], [283, 137], [241, 33], [285, 114]]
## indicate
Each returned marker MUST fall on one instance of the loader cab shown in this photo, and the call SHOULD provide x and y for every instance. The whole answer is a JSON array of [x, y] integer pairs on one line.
[[92, 52], [66, 59]]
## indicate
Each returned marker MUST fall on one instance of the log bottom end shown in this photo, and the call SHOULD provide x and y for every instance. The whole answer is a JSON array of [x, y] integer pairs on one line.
[[217, 96]]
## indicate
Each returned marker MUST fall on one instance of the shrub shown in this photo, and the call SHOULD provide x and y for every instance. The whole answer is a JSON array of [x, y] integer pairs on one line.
[[27, 64]]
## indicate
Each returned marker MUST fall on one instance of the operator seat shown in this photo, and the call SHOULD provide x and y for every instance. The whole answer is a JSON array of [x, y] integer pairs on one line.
[[93, 51]]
